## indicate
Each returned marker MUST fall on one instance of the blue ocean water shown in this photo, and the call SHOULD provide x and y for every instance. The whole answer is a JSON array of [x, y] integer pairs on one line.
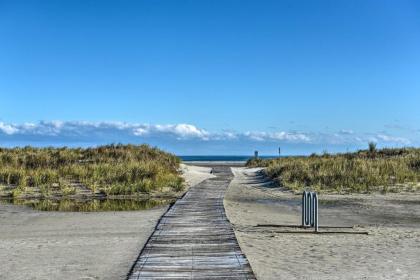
[[220, 158]]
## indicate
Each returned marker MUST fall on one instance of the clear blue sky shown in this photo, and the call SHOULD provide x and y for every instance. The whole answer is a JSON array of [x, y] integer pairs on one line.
[[269, 72]]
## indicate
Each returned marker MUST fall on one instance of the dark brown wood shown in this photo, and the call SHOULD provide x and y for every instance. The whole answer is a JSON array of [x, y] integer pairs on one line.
[[194, 239]]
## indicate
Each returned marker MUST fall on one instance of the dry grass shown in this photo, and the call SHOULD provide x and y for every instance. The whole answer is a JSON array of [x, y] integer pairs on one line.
[[364, 171], [109, 170]]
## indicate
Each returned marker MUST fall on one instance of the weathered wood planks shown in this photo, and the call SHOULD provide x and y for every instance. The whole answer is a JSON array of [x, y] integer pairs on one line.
[[194, 239]]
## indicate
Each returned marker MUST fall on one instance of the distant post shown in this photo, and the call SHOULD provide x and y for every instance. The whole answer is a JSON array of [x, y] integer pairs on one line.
[[279, 151], [256, 154]]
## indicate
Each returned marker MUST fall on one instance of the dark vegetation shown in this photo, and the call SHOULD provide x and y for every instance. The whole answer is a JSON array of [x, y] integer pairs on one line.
[[363, 171], [90, 205], [105, 170]]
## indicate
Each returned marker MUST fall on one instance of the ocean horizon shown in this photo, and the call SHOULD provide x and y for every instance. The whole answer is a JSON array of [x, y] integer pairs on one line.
[[221, 158]]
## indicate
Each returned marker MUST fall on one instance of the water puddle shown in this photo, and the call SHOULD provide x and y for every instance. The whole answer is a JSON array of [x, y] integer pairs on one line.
[[90, 205]]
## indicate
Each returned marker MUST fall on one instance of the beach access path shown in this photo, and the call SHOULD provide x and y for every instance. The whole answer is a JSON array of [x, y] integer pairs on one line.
[[194, 239]]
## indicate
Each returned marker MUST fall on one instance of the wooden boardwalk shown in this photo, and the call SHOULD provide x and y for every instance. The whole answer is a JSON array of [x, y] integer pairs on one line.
[[194, 239]]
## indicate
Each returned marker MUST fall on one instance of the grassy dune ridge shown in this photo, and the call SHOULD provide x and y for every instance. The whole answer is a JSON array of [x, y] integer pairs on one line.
[[108, 170], [386, 170]]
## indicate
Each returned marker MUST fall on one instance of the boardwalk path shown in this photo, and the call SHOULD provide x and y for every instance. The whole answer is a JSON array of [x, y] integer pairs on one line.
[[194, 239]]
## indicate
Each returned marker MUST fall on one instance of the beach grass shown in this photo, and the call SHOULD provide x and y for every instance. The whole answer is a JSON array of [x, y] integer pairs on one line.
[[364, 171], [107, 170]]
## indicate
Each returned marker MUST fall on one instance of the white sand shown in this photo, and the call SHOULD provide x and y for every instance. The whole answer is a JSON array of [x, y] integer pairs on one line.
[[63, 245], [390, 251], [58, 245], [194, 175]]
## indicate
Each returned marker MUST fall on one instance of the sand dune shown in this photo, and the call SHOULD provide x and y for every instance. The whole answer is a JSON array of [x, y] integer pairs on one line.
[[194, 175], [390, 251], [68, 245]]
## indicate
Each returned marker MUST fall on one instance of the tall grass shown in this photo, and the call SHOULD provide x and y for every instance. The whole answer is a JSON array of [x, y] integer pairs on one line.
[[363, 171], [111, 170]]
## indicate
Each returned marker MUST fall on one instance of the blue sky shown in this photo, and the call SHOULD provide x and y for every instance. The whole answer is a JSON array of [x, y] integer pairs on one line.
[[211, 77]]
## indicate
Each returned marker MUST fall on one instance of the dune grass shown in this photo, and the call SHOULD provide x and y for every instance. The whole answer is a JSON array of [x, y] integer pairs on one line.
[[109, 170], [386, 170], [91, 205]]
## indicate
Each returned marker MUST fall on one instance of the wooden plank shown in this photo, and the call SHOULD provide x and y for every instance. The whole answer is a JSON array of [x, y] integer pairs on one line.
[[194, 239]]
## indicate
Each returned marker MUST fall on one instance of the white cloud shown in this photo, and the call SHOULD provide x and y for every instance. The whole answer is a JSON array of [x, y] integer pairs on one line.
[[346, 131], [7, 128], [183, 131], [140, 131], [105, 132], [393, 139], [277, 136]]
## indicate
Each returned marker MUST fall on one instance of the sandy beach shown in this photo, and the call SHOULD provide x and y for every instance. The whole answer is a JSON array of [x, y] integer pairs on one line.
[[194, 175], [390, 251], [104, 245], [76, 245]]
